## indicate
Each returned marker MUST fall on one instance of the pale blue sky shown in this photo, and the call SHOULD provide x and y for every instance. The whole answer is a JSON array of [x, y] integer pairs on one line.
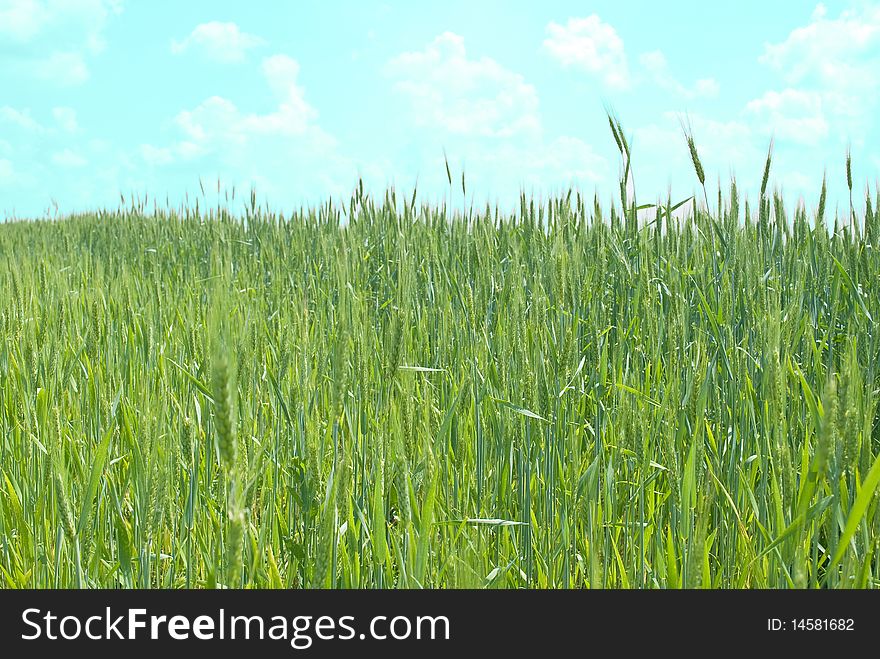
[[102, 97]]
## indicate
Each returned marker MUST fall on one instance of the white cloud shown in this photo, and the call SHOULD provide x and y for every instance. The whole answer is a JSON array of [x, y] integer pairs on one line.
[[10, 177], [708, 87], [6, 171], [212, 121], [283, 151], [294, 114], [66, 119], [23, 21], [282, 72], [657, 67], [186, 149], [828, 48], [51, 40], [464, 96], [64, 69], [562, 162], [791, 114], [837, 57], [156, 156], [20, 118], [20, 20], [221, 42], [68, 158], [218, 123], [591, 45]]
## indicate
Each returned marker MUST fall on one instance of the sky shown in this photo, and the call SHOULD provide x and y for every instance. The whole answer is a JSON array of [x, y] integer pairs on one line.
[[105, 99]]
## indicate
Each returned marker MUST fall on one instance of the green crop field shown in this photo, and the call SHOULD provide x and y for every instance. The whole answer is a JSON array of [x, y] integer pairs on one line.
[[387, 393]]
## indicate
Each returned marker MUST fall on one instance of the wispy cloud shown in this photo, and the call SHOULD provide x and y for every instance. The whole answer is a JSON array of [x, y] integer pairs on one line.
[[838, 59], [68, 158], [63, 69], [221, 42], [657, 67], [66, 119], [20, 118], [52, 40], [217, 121], [284, 151], [791, 114], [461, 95], [6, 172]]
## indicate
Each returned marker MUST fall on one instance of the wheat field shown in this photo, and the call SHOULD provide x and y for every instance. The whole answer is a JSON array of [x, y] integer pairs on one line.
[[385, 393]]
